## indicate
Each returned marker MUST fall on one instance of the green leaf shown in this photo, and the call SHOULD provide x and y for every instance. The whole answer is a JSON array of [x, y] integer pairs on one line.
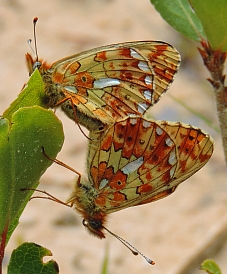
[[212, 15], [32, 95], [210, 267], [22, 162], [28, 258], [180, 16], [24, 130]]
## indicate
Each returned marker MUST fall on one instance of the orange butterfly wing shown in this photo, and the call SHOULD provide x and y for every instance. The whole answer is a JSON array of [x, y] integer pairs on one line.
[[140, 161], [111, 82], [137, 161]]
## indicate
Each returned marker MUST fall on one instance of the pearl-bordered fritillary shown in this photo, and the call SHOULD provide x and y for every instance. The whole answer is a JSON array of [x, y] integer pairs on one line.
[[100, 86], [137, 161]]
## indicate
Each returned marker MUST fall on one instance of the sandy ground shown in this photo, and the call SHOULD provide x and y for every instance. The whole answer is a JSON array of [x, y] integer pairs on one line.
[[177, 232]]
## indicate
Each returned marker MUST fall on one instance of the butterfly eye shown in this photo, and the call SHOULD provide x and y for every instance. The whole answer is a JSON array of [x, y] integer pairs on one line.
[[36, 65], [92, 223]]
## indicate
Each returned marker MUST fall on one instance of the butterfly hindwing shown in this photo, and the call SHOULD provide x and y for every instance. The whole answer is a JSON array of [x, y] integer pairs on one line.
[[139, 161]]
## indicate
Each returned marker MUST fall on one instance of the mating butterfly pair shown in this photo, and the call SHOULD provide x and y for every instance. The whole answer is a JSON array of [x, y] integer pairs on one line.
[[131, 160]]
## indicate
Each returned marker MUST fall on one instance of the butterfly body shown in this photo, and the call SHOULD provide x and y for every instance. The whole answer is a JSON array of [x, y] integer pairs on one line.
[[100, 86], [137, 161]]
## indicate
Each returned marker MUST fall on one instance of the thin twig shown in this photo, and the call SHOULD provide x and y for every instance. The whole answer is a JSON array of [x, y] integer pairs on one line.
[[214, 61]]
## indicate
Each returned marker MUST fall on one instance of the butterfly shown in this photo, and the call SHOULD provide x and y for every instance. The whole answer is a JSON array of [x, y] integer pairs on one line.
[[105, 84], [136, 162]]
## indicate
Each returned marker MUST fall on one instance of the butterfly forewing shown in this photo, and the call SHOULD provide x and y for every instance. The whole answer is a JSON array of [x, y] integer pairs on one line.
[[194, 147], [139, 161], [111, 82]]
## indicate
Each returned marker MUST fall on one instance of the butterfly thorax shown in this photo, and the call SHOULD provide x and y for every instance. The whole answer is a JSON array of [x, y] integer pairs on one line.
[[56, 94], [52, 90], [83, 198]]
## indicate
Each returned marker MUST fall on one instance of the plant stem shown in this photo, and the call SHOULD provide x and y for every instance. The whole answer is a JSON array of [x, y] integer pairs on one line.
[[2, 246], [214, 61]]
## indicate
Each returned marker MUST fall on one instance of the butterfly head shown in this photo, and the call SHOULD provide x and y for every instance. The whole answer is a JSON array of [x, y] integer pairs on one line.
[[83, 200], [95, 226], [32, 64]]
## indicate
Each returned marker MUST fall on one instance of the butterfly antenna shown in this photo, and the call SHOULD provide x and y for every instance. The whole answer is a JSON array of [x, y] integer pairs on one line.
[[30, 45], [35, 39], [130, 247]]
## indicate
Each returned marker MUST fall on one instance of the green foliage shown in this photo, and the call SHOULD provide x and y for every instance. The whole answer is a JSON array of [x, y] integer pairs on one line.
[[212, 15], [28, 258], [179, 14], [25, 128], [105, 262], [210, 267], [32, 95], [202, 20]]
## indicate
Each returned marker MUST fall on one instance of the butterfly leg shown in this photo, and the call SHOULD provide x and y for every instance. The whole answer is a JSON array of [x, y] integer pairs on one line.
[[74, 113], [62, 164], [48, 196]]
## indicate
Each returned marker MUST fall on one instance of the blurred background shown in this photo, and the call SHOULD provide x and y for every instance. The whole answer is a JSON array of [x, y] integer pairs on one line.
[[177, 232]]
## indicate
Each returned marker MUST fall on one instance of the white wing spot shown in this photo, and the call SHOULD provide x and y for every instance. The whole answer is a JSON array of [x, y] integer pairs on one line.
[[147, 94], [134, 165], [133, 121], [143, 66], [172, 171], [172, 158], [146, 124], [142, 108], [106, 82], [135, 54], [148, 80], [71, 89], [103, 183], [159, 131], [169, 142]]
